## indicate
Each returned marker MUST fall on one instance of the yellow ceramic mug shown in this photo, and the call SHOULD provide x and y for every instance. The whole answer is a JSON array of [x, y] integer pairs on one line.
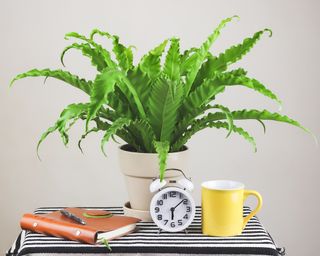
[[222, 207]]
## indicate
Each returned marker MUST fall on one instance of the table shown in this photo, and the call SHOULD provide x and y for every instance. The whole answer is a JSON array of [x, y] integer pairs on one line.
[[146, 240]]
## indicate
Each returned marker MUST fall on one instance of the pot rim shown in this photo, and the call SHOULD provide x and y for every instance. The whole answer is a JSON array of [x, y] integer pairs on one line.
[[121, 148]]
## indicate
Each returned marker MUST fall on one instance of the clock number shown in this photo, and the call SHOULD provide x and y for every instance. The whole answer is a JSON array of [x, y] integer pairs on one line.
[[180, 195], [164, 196], [186, 216], [188, 209], [172, 193], [157, 209], [185, 201], [160, 202], [180, 222], [172, 224], [165, 222], [159, 217]]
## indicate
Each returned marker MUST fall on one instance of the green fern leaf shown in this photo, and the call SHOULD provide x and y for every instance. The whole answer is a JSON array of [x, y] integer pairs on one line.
[[119, 102], [119, 124], [263, 125], [128, 136], [202, 95], [185, 119], [75, 35], [99, 32], [163, 108], [125, 135], [162, 148], [133, 89], [108, 114], [69, 114], [83, 136], [204, 73], [141, 82], [203, 123], [187, 61], [100, 125], [143, 131], [123, 54], [231, 55], [151, 62], [104, 53], [229, 117], [207, 72], [238, 72], [44, 136], [106, 244], [126, 84], [236, 52], [103, 85], [172, 62], [97, 59], [238, 130], [265, 115], [255, 115], [127, 98], [65, 76], [246, 136], [200, 55], [229, 79]]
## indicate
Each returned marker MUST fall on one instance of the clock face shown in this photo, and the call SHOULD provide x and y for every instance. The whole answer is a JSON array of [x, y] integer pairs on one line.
[[172, 209]]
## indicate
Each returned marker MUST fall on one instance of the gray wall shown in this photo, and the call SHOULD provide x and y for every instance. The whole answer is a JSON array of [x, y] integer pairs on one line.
[[285, 169]]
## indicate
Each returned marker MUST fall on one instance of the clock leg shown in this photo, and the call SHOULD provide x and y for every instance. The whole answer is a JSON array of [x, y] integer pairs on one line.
[[186, 231], [159, 231]]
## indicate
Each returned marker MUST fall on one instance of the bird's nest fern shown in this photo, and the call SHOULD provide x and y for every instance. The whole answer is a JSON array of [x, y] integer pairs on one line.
[[154, 107]]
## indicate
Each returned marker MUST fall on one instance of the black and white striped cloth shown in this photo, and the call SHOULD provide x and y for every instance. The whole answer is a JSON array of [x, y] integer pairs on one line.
[[254, 240]]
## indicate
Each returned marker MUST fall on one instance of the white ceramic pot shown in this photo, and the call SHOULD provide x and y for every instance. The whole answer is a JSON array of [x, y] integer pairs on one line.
[[140, 169]]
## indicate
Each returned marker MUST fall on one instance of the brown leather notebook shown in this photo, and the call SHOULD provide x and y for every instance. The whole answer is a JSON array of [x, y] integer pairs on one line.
[[94, 231]]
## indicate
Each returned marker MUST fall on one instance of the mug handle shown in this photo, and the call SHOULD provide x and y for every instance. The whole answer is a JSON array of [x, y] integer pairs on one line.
[[259, 205]]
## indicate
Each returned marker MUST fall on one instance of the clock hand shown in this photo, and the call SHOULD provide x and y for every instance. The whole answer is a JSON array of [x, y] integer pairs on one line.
[[178, 204], [172, 213], [173, 208]]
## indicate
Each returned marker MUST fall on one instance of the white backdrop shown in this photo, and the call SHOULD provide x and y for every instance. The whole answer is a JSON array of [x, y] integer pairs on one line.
[[285, 169]]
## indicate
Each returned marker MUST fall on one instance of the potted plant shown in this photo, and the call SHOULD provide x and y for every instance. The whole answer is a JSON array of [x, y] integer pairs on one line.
[[156, 108]]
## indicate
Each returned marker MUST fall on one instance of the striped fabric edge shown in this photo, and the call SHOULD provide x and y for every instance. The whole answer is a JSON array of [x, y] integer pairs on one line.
[[14, 249], [254, 240]]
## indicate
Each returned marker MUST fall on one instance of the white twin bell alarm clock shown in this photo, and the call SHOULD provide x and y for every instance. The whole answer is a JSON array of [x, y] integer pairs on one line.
[[172, 208]]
